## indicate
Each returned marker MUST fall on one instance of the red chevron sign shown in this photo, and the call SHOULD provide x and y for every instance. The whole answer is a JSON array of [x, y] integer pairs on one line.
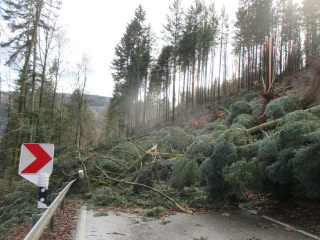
[[42, 158], [35, 159]]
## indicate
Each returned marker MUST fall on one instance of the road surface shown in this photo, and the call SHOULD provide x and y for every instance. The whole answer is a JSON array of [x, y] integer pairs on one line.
[[238, 225]]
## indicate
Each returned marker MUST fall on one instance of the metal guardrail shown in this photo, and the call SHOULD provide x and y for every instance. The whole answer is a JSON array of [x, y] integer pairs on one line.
[[39, 227]]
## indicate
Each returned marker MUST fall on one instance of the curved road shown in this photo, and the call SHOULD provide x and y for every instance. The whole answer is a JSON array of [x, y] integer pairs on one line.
[[238, 225]]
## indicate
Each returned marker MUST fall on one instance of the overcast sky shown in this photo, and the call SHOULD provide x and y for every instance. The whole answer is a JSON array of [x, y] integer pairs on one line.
[[96, 26]]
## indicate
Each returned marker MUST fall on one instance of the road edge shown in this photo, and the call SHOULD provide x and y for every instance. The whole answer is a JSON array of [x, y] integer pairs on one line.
[[81, 226], [281, 223]]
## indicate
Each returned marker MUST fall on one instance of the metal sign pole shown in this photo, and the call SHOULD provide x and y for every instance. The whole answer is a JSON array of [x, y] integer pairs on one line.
[[43, 190]]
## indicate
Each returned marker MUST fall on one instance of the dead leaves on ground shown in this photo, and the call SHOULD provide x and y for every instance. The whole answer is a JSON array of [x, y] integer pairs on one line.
[[65, 223]]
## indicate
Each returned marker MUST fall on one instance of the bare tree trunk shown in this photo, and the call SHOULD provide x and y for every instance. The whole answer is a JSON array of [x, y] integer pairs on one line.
[[220, 63], [22, 96], [174, 85], [239, 71]]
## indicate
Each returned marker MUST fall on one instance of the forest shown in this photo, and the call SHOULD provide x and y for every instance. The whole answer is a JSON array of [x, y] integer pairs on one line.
[[222, 111]]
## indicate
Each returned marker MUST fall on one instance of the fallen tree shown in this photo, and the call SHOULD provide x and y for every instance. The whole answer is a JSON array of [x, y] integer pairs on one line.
[[273, 124], [141, 160], [138, 184]]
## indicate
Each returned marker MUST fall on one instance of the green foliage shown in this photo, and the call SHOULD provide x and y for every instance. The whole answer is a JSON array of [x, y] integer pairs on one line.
[[216, 134], [145, 177], [283, 164], [316, 112], [244, 174], [106, 196], [201, 238], [236, 136], [153, 212], [306, 168], [210, 172], [268, 148], [226, 102], [297, 116], [251, 96], [256, 107], [201, 149], [213, 126], [237, 125], [127, 151], [220, 128], [184, 173], [281, 106], [243, 92], [149, 199], [248, 121], [248, 151], [162, 132], [295, 134], [18, 206], [238, 108], [280, 171], [189, 130], [178, 139], [112, 162], [170, 139], [290, 156], [101, 214]]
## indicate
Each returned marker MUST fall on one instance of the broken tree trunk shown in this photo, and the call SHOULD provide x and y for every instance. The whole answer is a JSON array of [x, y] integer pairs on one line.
[[273, 124], [144, 135]]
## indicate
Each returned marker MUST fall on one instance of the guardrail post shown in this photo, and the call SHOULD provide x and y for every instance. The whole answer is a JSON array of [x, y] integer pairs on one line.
[[35, 218], [48, 216], [64, 184], [53, 197], [52, 223]]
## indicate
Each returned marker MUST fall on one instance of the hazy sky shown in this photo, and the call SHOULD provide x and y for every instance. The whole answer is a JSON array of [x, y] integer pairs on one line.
[[95, 27]]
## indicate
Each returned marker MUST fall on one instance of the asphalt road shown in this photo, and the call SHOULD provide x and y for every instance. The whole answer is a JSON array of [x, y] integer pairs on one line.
[[238, 225]]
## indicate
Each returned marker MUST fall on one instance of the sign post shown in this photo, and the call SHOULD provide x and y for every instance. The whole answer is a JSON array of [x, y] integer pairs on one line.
[[36, 163]]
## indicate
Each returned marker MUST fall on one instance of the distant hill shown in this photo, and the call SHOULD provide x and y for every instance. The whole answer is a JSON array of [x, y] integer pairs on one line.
[[96, 102]]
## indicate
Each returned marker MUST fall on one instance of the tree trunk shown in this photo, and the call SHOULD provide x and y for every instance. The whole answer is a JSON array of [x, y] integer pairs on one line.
[[22, 97], [273, 124]]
